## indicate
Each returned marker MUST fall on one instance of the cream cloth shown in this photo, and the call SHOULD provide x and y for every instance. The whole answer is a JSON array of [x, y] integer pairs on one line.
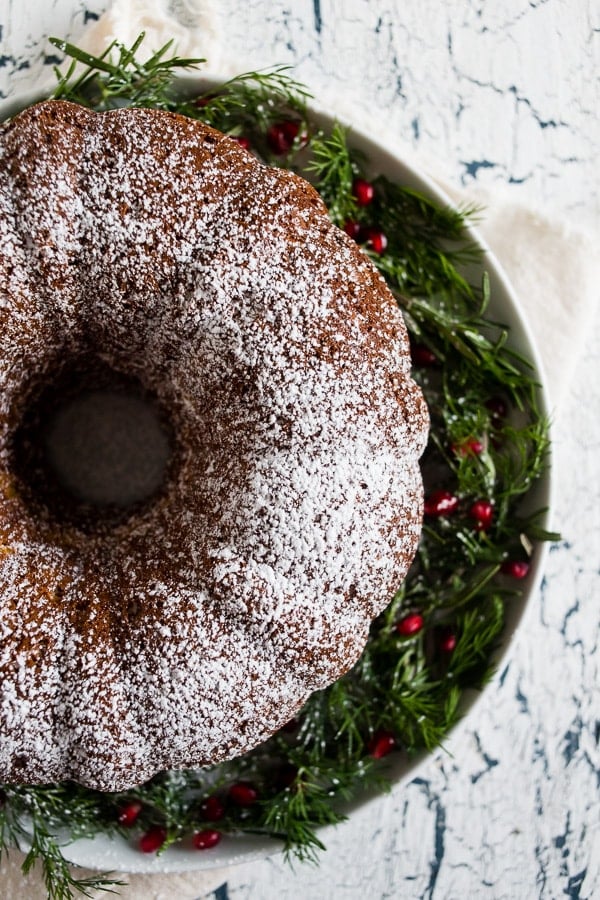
[[554, 268], [192, 25]]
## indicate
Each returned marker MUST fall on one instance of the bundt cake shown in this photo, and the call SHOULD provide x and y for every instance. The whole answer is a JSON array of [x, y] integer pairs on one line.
[[188, 629]]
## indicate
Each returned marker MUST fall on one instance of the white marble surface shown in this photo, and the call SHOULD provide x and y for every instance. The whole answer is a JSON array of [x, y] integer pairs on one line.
[[505, 94]]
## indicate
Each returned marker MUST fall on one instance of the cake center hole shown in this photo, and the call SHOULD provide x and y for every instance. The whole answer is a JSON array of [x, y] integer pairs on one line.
[[107, 448], [93, 445]]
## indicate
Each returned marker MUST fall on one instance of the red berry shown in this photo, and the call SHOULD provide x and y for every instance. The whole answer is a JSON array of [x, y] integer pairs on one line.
[[128, 814], [440, 503], [376, 240], [447, 641], [243, 793], [363, 191], [211, 809], [354, 230], [204, 840], [410, 624], [422, 355], [482, 512], [382, 743], [474, 446], [244, 142], [471, 445], [281, 136], [206, 100], [153, 839], [515, 568]]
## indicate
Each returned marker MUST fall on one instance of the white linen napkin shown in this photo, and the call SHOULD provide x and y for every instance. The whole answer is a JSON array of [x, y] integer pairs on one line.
[[192, 25], [554, 268]]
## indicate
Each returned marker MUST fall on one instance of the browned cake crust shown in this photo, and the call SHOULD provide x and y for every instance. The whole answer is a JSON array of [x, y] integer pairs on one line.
[[190, 632]]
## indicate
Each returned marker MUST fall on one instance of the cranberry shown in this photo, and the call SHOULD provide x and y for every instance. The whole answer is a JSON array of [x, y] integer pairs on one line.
[[128, 814], [470, 446], [482, 512], [204, 840], [382, 743], [440, 503], [244, 142], [422, 356], [410, 624], [206, 100], [153, 839], [447, 641], [376, 240], [353, 229], [281, 136], [363, 191], [515, 568], [243, 793], [211, 809]]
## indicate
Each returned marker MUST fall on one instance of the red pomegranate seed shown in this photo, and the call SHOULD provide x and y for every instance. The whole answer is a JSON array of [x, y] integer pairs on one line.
[[482, 512], [204, 840], [206, 100], [363, 191], [153, 839], [211, 809], [470, 446], [244, 142], [422, 356], [440, 503], [300, 136], [376, 240], [382, 743], [515, 568], [128, 814], [447, 641], [410, 624], [353, 229], [281, 136], [243, 793]]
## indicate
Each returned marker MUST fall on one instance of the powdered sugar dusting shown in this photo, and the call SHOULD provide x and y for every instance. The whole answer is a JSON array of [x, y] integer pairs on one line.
[[193, 631]]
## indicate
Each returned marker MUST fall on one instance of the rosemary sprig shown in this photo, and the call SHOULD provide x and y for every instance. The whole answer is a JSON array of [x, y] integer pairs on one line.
[[250, 102], [333, 166], [403, 686], [117, 78], [42, 845]]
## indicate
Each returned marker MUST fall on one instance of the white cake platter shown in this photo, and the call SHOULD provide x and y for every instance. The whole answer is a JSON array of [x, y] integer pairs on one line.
[[120, 855]]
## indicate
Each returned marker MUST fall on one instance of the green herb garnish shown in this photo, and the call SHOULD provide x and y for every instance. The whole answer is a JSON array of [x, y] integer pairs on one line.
[[107, 82], [488, 447]]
